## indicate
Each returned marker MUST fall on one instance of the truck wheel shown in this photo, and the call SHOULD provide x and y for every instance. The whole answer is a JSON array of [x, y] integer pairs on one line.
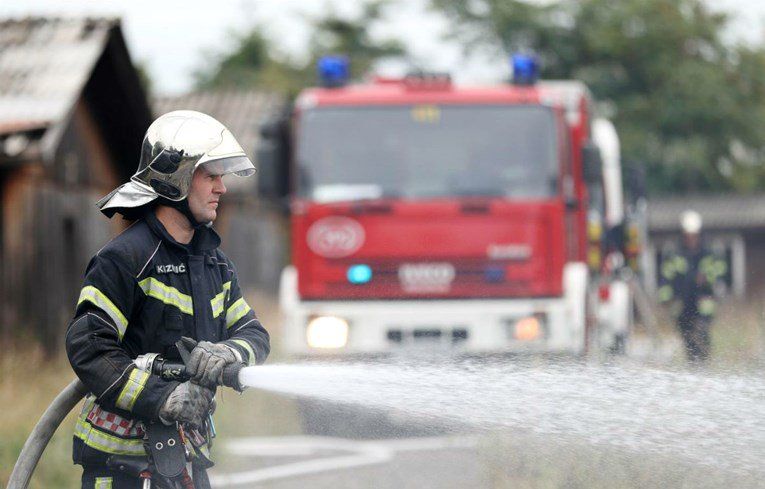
[[621, 316], [578, 305], [619, 346], [592, 325]]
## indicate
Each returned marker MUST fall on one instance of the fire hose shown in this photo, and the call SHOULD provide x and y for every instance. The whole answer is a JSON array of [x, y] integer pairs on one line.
[[42, 433], [69, 397]]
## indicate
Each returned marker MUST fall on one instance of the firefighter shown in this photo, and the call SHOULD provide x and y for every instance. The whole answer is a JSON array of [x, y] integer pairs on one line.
[[688, 279], [161, 279]]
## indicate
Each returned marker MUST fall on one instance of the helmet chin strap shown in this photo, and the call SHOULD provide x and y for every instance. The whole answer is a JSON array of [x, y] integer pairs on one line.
[[186, 211], [183, 208]]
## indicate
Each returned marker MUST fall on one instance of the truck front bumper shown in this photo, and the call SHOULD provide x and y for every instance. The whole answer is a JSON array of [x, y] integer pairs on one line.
[[466, 325], [555, 324]]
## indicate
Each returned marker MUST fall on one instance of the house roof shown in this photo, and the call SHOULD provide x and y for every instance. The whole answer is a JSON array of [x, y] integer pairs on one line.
[[719, 212], [48, 63], [44, 64], [241, 111]]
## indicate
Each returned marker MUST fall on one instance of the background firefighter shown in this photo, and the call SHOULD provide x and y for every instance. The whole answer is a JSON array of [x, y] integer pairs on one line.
[[688, 278], [161, 279]]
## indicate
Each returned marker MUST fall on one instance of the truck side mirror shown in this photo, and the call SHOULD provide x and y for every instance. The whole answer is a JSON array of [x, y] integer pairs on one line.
[[592, 164], [272, 156], [267, 154], [270, 130]]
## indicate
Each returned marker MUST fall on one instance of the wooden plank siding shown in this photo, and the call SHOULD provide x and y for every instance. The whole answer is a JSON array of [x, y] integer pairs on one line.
[[256, 238], [51, 228]]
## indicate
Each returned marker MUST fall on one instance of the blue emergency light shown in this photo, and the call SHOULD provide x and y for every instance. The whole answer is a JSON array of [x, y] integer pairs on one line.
[[494, 275], [525, 69], [359, 274], [333, 70]]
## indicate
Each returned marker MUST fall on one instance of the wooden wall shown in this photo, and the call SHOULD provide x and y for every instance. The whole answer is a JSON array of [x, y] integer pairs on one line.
[[51, 228], [256, 238]]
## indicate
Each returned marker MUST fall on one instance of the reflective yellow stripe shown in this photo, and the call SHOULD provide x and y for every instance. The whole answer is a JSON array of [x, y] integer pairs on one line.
[[96, 297], [668, 270], [205, 450], [236, 312], [219, 301], [90, 399], [132, 389], [665, 293], [217, 304], [244, 344], [681, 264], [707, 306], [169, 295], [104, 442], [103, 483]]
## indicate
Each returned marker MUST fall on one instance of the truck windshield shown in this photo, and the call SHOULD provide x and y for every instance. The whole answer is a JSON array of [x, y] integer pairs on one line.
[[423, 151]]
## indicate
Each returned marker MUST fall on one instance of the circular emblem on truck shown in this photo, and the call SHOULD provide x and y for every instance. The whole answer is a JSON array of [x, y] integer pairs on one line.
[[335, 237]]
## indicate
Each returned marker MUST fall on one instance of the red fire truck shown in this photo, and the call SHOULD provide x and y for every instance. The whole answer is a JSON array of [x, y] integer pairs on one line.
[[471, 218]]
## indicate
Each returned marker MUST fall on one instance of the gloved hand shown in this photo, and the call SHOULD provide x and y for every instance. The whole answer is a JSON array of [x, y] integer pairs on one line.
[[188, 403], [207, 361]]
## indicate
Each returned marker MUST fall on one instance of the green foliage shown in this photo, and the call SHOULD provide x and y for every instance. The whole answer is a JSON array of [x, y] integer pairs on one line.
[[335, 35], [687, 104], [250, 65], [30, 381], [254, 63]]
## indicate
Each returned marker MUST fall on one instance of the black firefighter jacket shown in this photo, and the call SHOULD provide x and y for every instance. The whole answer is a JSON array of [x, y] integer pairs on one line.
[[141, 293]]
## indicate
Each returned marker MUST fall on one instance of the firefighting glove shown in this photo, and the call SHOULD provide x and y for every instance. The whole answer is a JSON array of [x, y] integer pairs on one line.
[[207, 361], [188, 403]]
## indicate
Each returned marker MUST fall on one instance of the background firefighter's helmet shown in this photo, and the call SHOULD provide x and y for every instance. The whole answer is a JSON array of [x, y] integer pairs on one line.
[[175, 145], [690, 222]]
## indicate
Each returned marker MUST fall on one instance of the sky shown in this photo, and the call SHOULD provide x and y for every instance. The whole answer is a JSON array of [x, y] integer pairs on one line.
[[172, 38]]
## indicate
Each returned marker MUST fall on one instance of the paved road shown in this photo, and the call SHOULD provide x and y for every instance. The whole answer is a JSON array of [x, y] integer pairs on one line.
[[300, 461], [619, 425]]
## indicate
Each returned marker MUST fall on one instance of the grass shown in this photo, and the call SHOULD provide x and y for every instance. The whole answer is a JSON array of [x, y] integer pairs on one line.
[[29, 381], [28, 384], [738, 335], [521, 461]]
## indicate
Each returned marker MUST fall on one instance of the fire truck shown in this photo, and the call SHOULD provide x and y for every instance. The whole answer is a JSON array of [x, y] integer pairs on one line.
[[428, 214]]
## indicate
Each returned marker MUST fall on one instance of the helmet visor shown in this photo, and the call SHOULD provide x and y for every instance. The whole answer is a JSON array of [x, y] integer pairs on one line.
[[231, 154], [239, 165]]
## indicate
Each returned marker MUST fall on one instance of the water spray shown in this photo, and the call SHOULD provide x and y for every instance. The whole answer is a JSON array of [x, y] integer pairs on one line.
[[700, 417]]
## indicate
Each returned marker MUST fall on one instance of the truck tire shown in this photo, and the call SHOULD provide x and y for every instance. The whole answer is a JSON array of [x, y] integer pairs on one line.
[[577, 297], [616, 318]]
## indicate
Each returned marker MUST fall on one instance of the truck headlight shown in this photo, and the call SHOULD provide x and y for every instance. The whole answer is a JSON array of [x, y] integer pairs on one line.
[[527, 329], [327, 332]]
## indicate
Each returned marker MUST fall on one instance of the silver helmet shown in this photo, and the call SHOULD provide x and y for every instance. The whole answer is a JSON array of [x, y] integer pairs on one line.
[[175, 145]]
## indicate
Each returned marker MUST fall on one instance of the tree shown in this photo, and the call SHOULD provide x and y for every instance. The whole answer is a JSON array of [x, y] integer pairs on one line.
[[333, 34], [253, 63], [687, 105], [250, 65]]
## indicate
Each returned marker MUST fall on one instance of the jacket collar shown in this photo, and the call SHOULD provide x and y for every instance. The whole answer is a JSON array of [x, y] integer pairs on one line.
[[205, 238]]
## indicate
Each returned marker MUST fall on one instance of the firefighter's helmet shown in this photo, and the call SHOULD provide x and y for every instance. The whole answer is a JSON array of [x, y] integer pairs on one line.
[[175, 145], [690, 222]]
